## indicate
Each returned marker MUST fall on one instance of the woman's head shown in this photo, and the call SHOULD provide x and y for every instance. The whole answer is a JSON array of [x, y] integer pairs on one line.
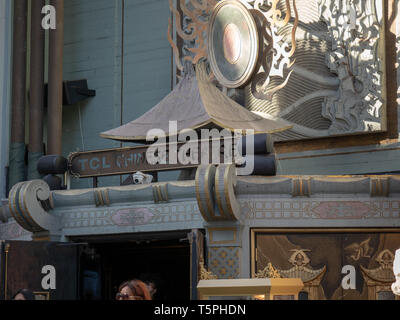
[[24, 294], [133, 290]]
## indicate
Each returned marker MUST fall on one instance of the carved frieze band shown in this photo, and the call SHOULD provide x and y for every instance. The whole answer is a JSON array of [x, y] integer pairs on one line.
[[320, 209], [12, 230], [135, 216]]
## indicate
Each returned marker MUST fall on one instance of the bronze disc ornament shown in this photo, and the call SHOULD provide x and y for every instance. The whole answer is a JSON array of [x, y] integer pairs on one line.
[[233, 43]]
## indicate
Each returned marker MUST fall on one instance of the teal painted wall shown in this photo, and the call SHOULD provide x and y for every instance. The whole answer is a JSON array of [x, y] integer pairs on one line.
[[121, 47], [147, 56]]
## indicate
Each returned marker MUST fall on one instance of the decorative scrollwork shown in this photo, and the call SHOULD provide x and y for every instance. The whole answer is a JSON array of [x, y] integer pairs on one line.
[[204, 274], [191, 28], [268, 272], [277, 55], [355, 27], [26, 206], [276, 60]]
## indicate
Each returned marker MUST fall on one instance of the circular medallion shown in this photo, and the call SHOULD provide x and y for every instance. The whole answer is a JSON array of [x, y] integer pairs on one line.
[[233, 43]]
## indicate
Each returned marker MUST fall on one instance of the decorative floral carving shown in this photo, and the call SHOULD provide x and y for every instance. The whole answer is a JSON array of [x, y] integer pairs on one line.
[[359, 250], [277, 54], [354, 27], [191, 28], [205, 274], [271, 17]]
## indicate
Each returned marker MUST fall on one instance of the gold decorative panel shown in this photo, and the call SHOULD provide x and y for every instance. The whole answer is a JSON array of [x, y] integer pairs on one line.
[[322, 260]]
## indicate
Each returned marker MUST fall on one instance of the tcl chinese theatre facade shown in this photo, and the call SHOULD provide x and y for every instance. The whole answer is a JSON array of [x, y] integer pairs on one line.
[[316, 81]]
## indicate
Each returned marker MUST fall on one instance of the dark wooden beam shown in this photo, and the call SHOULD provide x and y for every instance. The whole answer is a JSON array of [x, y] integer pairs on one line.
[[56, 46], [36, 88]]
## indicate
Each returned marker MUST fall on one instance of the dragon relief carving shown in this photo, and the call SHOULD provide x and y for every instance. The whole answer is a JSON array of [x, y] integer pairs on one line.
[[278, 50], [354, 27], [320, 67]]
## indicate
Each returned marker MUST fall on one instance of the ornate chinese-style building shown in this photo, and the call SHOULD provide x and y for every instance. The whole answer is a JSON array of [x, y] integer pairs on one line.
[[317, 77]]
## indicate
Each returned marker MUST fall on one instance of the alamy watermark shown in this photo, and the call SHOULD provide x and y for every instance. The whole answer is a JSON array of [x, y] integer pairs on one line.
[[202, 147], [49, 21]]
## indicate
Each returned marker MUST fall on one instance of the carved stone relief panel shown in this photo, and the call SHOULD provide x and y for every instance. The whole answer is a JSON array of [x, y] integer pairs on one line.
[[337, 84], [320, 64]]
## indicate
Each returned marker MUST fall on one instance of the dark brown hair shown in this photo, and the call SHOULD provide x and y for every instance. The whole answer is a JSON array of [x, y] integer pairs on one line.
[[138, 288], [28, 294]]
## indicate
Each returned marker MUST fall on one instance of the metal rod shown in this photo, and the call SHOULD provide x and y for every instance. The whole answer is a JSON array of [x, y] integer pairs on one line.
[[36, 88], [17, 152], [7, 249], [95, 182], [55, 100]]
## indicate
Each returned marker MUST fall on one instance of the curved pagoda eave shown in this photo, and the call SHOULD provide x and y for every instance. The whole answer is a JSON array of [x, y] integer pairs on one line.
[[195, 103]]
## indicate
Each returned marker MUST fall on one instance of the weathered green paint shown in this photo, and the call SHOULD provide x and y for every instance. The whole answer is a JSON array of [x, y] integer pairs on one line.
[[97, 34], [33, 158], [17, 157]]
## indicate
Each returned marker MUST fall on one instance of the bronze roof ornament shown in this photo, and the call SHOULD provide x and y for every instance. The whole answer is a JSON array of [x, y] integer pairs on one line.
[[230, 36], [195, 103]]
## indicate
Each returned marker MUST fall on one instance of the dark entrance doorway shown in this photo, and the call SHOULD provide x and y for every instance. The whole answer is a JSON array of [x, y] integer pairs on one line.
[[163, 257]]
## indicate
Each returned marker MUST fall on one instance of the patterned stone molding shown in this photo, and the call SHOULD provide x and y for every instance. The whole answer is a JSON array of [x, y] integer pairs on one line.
[[224, 262], [130, 218], [322, 212], [212, 201], [13, 231], [103, 210]]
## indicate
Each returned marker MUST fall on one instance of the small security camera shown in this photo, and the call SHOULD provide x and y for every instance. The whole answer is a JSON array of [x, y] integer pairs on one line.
[[141, 178]]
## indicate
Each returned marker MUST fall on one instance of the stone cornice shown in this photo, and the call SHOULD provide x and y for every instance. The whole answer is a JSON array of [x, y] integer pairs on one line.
[[297, 186], [216, 194], [108, 196]]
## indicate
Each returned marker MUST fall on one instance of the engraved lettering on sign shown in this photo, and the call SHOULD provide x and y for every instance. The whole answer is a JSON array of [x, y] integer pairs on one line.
[[94, 163], [83, 163], [105, 164], [232, 43]]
